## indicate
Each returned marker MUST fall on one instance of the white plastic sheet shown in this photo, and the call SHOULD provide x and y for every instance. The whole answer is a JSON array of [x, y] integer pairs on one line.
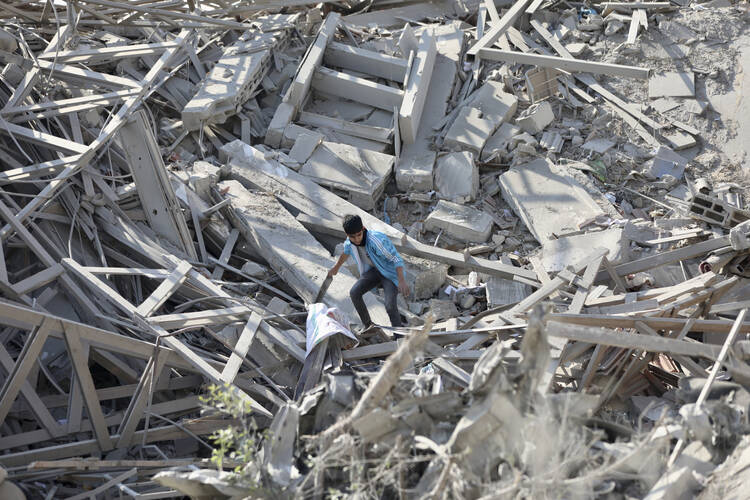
[[322, 322]]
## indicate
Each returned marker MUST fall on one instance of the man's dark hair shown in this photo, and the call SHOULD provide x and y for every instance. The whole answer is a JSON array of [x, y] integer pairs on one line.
[[352, 224]]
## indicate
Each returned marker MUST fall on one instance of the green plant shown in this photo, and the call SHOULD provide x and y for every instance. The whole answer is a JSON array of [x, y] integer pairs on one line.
[[237, 442]]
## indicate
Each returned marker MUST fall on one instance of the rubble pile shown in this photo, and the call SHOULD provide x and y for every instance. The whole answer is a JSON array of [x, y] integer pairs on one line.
[[567, 183]]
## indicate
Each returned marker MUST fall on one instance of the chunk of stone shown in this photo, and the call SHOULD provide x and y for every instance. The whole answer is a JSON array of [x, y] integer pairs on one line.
[[500, 141], [680, 140], [442, 309], [536, 117], [457, 177], [459, 222], [279, 306], [282, 117], [253, 269], [202, 176]]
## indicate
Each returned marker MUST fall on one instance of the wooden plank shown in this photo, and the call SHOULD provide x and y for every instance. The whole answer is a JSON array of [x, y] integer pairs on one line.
[[226, 252], [17, 376], [165, 290], [138, 402], [86, 384], [499, 28], [130, 6], [107, 485], [604, 336], [107, 54], [39, 279], [38, 408], [212, 317], [104, 136], [41, 138], [240, 349], [701, 325], [660, 259], [730, 306], [562, 63]]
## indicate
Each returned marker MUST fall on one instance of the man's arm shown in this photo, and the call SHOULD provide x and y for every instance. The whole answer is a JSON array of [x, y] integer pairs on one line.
[[403, 286], [335, 269]]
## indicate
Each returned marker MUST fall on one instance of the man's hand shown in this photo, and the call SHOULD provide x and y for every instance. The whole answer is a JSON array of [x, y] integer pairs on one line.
[[403, 287], [332, 272]]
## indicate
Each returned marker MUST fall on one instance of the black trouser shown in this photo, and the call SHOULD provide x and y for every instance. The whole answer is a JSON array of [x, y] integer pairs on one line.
[[367, 282]]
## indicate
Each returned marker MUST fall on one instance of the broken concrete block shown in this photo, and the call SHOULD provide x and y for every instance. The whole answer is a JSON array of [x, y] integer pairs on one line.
[[253, 269], [500, 141], [547, 198], [282, 117], [671, 85], [496, 105], [536, 117], [501, 292], [459, 222], [425, 277], [415, 173], [279, 306], [576, 49], [442, 309], [359, 175], [599, 145], [305, 145], [203, 175], [739, 236], [552, 141], [457, 177], [469, 131], [233, 79]]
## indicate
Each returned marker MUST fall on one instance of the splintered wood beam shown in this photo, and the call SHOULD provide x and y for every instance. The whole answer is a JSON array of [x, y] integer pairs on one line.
[[37, 170], [86, 383], [117, 121], [130, 7], [32, 348], [108, 54], [165, 290], [24, 134], [198, 362], [604, 336], [499, 27], [140, 399], [38, 408], [38, 280]]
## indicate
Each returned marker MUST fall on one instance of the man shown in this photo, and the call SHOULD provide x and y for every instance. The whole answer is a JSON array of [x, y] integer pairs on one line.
[[379, 264]]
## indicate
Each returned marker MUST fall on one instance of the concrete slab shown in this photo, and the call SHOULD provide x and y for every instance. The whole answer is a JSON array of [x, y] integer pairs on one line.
[[547, 198], [459, 222], [296, 256], [598, 145], [457, 177], [559, 253], [502, 292], [495, 104], [358, 175], [671, 85], [681, 140]]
